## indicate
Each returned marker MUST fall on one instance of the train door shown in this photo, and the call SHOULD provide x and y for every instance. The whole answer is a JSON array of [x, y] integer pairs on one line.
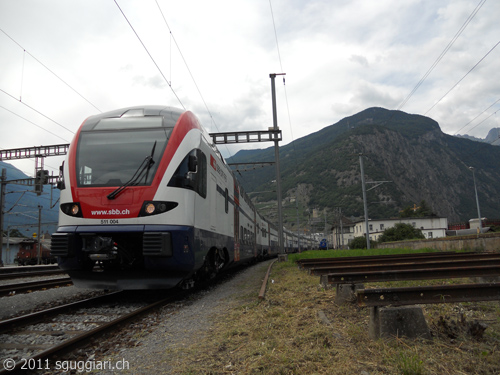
[[236, 222], [256, 227], [213, 202]]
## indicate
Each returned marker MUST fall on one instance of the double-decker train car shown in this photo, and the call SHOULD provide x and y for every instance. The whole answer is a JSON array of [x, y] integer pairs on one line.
[[147, 201]]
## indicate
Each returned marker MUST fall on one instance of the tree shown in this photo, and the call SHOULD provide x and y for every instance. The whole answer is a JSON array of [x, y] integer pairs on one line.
[[16, 233], [400, 232], [360, 243], [423, 210]]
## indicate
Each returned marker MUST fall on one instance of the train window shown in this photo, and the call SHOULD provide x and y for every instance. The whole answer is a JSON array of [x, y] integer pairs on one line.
[[192, 179], [202, 174], [112, 158]]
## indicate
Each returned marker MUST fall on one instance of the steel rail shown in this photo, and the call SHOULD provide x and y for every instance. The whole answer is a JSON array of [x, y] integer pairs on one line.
[[35, 285], [386, 259], [414, 274], [15, 275], [78, 339], [264, 283], [408, 265], [308, 263], [26, 269], [40, 315], [428, 294]]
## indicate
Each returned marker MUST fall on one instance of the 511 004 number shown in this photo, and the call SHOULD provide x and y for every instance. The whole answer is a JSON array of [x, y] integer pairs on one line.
[[109, 221]]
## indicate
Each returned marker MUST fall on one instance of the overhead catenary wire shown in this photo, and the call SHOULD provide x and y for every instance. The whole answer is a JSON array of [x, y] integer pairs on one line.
[[461, 79], [47, 68], [498, 100], [37, 111], [149, 54], [443, 53], [284, 85], [186, 64], [494, 113], [31, 122], [172, 38]]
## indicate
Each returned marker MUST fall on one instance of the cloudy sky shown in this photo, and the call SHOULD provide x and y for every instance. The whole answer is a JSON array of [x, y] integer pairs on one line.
[[62, 61]]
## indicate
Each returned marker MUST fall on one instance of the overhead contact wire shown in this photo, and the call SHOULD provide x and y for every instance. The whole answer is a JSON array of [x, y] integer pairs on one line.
[[31, 122], [498, 100], [440, 57], [149, 54], [284, 86], [461, 79], [37, 111], [46, 67], [187, 66]]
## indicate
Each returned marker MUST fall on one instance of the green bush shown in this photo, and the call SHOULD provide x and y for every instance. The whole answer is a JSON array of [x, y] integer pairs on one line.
[[400, 232], [360, 243]]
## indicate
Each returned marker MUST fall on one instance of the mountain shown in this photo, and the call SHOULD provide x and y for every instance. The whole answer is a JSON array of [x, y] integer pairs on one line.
[[21, 205], [493, 137], [419, 161]]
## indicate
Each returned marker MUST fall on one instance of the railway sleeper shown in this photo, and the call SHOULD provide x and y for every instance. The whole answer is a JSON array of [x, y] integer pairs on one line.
[[393, 311]]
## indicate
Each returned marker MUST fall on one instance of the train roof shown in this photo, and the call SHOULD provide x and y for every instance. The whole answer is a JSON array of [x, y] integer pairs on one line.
[[170, 115]]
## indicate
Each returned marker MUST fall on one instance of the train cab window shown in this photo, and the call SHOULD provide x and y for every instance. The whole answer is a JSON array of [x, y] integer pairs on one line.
[[192, 173], [113, 157], [201, 187]]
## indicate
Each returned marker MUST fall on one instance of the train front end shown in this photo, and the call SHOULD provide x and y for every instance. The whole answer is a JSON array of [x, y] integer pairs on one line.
[[123, 221]]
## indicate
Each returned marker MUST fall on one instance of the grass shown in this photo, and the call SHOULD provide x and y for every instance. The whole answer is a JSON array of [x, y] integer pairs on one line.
[[284, 334]]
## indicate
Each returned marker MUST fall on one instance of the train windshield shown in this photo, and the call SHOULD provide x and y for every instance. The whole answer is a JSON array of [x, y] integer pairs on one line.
[[113, 157]]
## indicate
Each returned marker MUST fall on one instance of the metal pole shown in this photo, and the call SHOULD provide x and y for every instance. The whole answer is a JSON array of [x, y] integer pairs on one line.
[[39, 234], [364, 201], [2, 204], [298, 222], [477, 201], [341, 229], [277, 163]]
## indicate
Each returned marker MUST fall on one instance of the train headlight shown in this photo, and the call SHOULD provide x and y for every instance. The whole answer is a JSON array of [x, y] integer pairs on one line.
[[75, 210], [72, 209], [156, 207], [150, 208]]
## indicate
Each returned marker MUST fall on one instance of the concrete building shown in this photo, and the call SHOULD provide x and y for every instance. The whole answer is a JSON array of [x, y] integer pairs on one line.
[[431, 227], [342, 234]]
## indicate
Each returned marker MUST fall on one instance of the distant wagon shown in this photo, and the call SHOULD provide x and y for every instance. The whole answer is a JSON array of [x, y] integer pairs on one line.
[[28, 254], [323, 244]]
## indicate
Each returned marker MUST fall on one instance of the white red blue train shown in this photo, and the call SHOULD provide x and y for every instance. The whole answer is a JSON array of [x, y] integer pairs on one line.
[[147, 201]]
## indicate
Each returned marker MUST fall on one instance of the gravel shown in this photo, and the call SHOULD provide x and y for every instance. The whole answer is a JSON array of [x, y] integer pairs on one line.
[[145, 345], [182, 325], [24, 303]]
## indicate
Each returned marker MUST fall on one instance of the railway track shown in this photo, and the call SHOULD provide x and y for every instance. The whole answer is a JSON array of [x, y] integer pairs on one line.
[[27, 269], [23, 287], [16, 275], [28, 342]]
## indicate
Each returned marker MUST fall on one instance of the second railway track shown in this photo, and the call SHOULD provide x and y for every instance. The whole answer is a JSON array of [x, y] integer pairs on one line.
[[32, 339], [22, 287]]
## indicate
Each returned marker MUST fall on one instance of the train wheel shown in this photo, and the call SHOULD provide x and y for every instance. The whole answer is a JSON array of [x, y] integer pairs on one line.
[[215, 262]]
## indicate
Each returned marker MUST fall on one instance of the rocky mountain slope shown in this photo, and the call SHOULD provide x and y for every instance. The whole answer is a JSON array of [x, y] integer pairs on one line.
[[410, 151]]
